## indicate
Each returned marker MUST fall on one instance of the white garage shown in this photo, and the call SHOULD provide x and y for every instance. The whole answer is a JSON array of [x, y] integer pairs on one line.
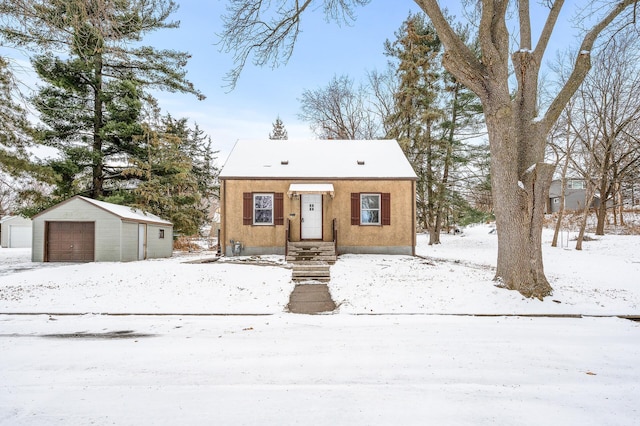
[[16, 232], [81, 229]]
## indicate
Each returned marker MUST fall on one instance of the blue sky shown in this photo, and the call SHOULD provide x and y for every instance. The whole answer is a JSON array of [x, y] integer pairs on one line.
[[262, 94], [323, 49]]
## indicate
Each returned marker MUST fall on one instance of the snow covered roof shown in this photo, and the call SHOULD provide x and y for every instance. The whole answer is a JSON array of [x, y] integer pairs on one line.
[[126, 212], [317, 159], [16, 218], [311, 188], [123, 212]]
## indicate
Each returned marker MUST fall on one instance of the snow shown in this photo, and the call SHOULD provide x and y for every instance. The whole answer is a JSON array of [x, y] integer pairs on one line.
[[317, 159], [213, 343], [313, 188], [125, 212]]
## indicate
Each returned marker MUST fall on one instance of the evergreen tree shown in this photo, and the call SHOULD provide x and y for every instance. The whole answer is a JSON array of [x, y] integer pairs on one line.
[[65, 107], [417, 110], [279, 132], [431, 110], [197, 146], [15, 131], [175, 176], [93, 92]]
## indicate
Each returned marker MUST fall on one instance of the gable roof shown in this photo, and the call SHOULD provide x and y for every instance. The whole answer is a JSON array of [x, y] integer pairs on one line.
[[123, 212], [126, 212], [7, 219], [317, 159]]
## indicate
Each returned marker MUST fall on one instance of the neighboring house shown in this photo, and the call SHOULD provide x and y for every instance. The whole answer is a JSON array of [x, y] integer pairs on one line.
[[574, 196], [15, 232], [85, 230], [358, 194]]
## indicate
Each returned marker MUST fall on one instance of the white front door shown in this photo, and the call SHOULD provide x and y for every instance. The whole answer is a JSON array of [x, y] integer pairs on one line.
[[311, 216]]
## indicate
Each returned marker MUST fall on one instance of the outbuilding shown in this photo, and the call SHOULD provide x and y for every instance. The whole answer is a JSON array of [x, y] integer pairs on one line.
[[82, 229], [15, 232], [357, 196]]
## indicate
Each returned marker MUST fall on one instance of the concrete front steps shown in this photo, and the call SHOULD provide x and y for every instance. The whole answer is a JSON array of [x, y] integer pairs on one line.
[[315, 251], [311, 271], [311, 260]]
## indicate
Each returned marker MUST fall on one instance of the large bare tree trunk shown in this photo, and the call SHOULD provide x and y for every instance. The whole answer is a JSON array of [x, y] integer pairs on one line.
[[517, 134], [519, 200]]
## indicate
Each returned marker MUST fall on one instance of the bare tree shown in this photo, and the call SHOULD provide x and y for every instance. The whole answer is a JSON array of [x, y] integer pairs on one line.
[[7, 196], [383, 86], [517, 129], [339, 111], [563, 153], [606, 122], [268, 32]]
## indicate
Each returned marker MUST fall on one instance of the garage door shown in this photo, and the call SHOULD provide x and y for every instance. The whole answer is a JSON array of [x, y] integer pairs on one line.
[[19, 236], [70, 241]]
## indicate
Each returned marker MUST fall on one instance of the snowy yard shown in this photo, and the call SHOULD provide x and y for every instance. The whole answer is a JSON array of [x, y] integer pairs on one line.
[[454, 277], [268, 367]]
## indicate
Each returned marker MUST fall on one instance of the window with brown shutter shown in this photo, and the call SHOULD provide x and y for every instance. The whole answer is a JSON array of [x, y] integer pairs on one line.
[[386, 208], [247, 208], [355, 208], [278, 207], [370, 208], [267, 208]]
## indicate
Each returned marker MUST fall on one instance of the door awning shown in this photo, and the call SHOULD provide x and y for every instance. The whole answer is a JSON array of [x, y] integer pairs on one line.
[[310, 188]]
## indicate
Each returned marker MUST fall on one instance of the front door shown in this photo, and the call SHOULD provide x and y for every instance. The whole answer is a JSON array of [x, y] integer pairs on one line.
[[311, 216]]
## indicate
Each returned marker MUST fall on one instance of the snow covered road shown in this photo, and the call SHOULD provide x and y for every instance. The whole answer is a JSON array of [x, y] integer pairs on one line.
[[290, 369]]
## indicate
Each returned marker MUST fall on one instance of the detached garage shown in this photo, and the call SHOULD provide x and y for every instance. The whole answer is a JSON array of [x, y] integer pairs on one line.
[[81, 229], [15, 232]]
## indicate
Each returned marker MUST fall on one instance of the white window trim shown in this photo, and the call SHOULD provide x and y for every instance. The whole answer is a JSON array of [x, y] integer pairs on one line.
[[271, 195], [379, 209]]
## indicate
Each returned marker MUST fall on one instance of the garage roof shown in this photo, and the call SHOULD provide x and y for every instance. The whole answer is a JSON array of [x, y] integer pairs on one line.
[[126, 212], [123, 212]]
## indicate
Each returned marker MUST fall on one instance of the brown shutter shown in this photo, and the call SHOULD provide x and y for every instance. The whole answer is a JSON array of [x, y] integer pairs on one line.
[[386, 208], [278, 207], [247, 208], [355, 208]]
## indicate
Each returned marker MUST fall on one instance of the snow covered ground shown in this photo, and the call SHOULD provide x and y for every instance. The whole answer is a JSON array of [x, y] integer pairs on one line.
[[262, 365], [453, 277]]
